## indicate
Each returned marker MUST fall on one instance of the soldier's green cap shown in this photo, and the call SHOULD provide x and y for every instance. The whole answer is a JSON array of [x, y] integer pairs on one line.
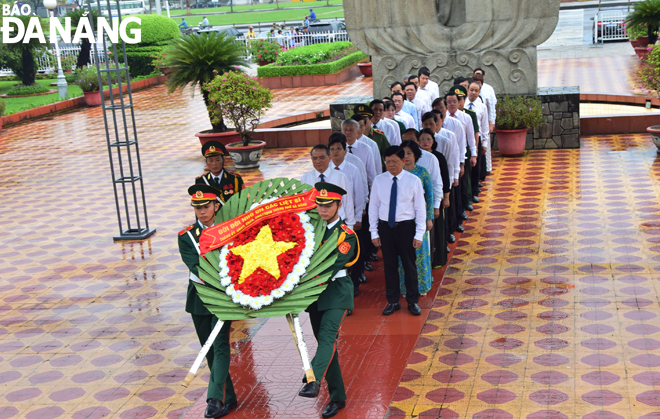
[[202, 195], [459, 90], [327, 193], [363, 110], [213, 148]]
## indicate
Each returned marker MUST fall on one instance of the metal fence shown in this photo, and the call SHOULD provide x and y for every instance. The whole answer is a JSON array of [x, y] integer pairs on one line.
[[48, 61], [610, 26]]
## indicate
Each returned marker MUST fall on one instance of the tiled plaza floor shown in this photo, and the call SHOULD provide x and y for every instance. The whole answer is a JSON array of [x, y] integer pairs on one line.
[[549, 307]]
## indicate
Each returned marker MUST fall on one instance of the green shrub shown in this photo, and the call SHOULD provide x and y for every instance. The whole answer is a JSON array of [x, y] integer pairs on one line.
[[3, 107], [87, 80], [313, 54], [649, 71], [301, 70], [19, 90], [157, 32], [519, 112], [265, 50]]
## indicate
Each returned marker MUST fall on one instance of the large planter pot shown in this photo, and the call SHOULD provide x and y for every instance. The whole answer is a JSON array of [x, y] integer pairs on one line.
[[224, 137], [166, 70], [246, 157], [92, 98], [263, 62], [511, 142], [634, 43], [655, 135], [642, 52], [365, 69], [642, 41]]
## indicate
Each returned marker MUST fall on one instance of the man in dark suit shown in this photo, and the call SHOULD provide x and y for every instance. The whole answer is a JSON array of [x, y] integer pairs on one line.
[[329, 311], [221, 397], [229, 184]]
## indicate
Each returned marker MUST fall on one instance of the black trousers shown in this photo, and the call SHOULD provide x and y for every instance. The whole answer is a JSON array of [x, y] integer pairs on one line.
[[476, 173], [397, 243], [438, 239], [364, 239], [466, 181], [482, 166]]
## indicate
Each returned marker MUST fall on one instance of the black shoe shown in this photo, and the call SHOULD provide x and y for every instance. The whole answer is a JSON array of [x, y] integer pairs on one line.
[[414, 309], [460, 229], [226, 409], [478, 190], [475, 199], [374, 257], [469, 207], [391, 308], [481, 185], [356, 291], [451, 238], [310, 390], [448, 250], [464, 216], [213, 409], [368, 266], [332, 408], [363, 279], [349, 312]]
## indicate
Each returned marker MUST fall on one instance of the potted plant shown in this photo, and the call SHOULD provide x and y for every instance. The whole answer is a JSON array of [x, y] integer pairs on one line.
[[646, 14], [194, 60], [88, 82], [635, 33], [240, 99], [515, 116], [366, 69], [264, 52], [3, 108]]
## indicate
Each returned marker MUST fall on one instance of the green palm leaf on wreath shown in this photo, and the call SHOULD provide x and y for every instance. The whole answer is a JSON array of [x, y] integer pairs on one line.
[[309, 287]]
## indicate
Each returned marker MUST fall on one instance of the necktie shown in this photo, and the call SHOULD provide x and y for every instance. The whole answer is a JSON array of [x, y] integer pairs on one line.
[[452, 115], [470, 106], [322, 177], [217, 180], [336, 167], [391, 219], [350, 149]]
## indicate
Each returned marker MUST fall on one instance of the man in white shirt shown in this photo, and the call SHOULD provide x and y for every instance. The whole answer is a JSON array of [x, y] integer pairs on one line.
[[351, 129], [380, 122], [430, 163], [455, 100], [488, 95], [475, 103], [322, 173], [375, 151], [338, 152], [407, 107], [397, 219], [401, 115], [446, 144], [428, 85], [420, 100]]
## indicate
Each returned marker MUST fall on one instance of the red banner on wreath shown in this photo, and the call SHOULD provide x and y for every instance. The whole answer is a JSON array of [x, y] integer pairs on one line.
[[217, 236]]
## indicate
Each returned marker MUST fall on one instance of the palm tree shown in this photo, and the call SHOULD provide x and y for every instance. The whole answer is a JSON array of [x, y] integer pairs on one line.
[[647, 13], [85, 45], [197, 59], [24, 63]]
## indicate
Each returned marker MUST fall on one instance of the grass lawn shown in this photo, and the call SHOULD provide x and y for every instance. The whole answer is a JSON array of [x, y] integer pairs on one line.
[[22, 103], [266, 16], [318, 5]]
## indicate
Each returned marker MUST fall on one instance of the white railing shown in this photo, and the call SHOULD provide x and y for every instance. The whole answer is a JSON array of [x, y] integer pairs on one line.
[[610, 26], [289, 41], [48, 62]]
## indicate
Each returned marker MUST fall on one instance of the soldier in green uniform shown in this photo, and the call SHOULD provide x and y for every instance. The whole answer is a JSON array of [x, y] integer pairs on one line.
[[377, 135], [327, 314], [226, 182], [221, 398]]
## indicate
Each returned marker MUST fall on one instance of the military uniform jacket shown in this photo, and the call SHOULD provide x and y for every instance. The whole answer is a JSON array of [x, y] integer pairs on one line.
[[381, 140], [339, 293], [230, 183], [475, 124], [190, 256]]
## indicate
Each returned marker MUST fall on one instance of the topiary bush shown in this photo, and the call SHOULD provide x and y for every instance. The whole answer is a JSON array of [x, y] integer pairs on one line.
[[157, 32], [20, 90], [519, 112], [273, 70], [314, 54]]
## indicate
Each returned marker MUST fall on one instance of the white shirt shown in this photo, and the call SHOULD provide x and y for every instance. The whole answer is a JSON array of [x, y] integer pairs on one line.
[[391, 130], [363, 151], [359, 194], [469, 130], [410, 203], [447, 146], [355, 161], [421, 104], [410, 109], [405, 118], [431, 163], [375, 152], [336, 177], [426, 97], [432, 89], [457, 127], [488, 94], [482, 116]]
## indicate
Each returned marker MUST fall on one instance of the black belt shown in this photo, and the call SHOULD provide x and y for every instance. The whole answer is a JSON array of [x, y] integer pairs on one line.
[[398, 224]]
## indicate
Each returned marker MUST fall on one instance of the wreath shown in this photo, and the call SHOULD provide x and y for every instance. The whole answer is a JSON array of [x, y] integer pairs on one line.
[[276, 266]]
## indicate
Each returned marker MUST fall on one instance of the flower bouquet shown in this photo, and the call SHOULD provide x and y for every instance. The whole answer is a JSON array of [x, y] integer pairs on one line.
[[264, 257]]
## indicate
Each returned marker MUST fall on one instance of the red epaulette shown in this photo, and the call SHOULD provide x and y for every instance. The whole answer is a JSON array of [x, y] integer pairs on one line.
[[379, 131], [185, 230], [346, 229], [202, 175]]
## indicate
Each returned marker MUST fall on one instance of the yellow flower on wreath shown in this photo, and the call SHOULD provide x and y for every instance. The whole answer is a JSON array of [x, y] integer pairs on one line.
[[262, 253]]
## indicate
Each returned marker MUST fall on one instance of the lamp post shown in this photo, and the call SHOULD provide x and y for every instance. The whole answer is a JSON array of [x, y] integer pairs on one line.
[[61, 81]]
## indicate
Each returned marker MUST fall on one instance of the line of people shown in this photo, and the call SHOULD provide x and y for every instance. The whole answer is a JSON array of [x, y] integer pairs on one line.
[[412, 165]]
